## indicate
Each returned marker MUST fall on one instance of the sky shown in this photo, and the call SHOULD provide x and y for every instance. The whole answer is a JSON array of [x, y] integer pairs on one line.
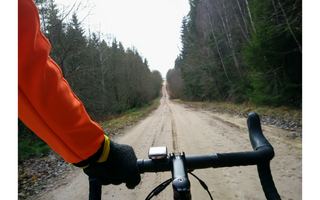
[[151, 26]]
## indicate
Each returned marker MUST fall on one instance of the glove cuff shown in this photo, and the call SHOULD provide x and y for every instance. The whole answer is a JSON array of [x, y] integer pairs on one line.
[[100, 156]]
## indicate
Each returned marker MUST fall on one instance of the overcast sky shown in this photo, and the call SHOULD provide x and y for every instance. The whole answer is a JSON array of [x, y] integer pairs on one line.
[[151, 26]]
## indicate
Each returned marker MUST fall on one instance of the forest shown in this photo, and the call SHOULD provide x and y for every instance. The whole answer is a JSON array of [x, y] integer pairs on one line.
[[106, 77], [240, 51]]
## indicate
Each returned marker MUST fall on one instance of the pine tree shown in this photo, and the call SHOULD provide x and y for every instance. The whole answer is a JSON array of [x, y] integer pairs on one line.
[[274, 57]]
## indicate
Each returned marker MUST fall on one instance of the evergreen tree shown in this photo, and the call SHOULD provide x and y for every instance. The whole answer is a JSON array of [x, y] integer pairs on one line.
[[242, 50], [275, 57]]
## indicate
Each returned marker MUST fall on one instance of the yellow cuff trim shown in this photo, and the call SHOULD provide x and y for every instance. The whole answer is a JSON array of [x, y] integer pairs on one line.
[[81, 167], [106, 150]]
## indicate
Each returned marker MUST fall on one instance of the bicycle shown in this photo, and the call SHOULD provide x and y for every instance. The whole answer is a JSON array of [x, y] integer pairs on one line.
[[180, 165]]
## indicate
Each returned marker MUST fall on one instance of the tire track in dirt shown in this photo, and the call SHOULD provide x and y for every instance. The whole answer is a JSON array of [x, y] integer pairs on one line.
[[174, 133]]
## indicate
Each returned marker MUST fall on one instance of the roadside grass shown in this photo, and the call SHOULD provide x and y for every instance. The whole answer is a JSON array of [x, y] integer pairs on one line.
[[246, 108], [28, 148], [128, 118]]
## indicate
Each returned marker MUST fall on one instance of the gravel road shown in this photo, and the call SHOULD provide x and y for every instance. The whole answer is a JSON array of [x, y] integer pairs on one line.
[[199, 132]]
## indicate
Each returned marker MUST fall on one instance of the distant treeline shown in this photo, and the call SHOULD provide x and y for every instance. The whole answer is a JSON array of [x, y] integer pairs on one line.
[[240, 51]]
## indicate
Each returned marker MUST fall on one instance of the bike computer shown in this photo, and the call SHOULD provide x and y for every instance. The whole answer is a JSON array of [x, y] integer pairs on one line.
[[156, 153]]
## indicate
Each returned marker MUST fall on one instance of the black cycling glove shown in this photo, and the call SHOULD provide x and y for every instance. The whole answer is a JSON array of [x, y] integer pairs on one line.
[[120, 167]]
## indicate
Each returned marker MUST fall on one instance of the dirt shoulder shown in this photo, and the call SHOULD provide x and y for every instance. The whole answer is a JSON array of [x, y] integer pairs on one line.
[[282, 117]]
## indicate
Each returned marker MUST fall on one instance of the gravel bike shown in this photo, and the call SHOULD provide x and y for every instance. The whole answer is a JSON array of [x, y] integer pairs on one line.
[[180, 165]]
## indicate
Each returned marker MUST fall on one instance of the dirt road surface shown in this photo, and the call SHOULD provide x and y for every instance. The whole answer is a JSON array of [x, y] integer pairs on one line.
[[198, 132]]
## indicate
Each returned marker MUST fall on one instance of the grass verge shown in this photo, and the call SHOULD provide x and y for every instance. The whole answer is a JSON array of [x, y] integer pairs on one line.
[[28, 148], [129, 118]]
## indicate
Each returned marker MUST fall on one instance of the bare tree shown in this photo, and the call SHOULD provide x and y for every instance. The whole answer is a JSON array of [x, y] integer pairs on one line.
[[225, 24], [249, 13], [288, 24], [244, 31], [217, 47]]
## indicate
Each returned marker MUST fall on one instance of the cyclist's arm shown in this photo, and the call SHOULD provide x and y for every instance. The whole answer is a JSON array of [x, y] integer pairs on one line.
[[46, 103]]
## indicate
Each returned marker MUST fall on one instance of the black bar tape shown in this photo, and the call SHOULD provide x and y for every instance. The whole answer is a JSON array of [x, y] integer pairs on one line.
[[266, 181], [261, 155], [257, 138]]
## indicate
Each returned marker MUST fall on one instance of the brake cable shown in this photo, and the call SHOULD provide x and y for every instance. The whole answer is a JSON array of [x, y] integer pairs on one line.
[[205, 187], [159, 189], [163, 185]]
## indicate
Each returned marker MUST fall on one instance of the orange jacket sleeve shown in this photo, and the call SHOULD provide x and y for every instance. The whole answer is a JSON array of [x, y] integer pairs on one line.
[[46, 103]]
